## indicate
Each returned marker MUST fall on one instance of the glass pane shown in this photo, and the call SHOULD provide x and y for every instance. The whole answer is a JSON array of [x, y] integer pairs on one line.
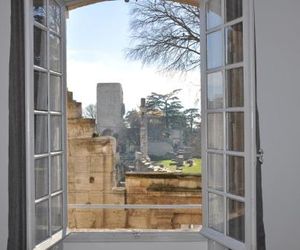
[[41, 177], [40, 47], [214, 50], [234, 9], [215, 90], [235, 130], [54, 16], [236, 175], [40, 91], [215, 131], [236, 219], [55, 93], [216, 212], [56, 133], [235, 87], [234, 43], [56, 213], [214, 13], [54, 53], [56, 169], [215, 171], [39, 11], [41, 134], [41, 221]]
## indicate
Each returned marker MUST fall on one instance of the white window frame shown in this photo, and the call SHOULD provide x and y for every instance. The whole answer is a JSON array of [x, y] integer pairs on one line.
[[249, 130], [29, 93], [250, 156]]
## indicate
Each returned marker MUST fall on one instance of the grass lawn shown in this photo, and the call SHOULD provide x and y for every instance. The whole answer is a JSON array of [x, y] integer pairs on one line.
[[195, 169]]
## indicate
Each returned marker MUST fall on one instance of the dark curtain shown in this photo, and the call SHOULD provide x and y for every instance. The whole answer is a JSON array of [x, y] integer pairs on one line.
[[17, 146], [260, 229]]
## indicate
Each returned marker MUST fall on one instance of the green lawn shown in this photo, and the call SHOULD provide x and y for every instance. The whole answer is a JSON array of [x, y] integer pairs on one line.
[[195, 169]]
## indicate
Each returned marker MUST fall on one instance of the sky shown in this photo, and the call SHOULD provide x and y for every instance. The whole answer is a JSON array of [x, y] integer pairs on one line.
[[97, 37]]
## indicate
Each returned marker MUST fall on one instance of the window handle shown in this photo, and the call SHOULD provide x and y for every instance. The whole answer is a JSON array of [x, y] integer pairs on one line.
[[260, 155]]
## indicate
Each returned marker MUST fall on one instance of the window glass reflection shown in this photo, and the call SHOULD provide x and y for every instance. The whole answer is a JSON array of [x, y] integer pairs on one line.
[[234, 9], [56, 133], [41, 134], [214, 13], [235, 87], [236, 175], [41, 177], [215, 133], [40, 47], [55, 93], [41, 221], [55, 53], [234, 43], [216, 212], [236, 219], [214, 50], [40, 91], [39, 11], [215, 90], [215, 166], [235, 131], [56, 213], [54, 16]]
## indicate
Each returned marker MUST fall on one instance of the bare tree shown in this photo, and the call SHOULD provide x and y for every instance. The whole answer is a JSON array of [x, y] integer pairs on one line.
[[90, 111], [165, 33]]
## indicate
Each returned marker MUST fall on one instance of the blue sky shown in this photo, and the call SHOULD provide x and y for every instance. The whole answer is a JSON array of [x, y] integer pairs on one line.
[[97, 36]]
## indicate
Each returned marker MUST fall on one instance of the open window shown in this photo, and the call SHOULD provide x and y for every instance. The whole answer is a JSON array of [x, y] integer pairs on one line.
[[228, 149]]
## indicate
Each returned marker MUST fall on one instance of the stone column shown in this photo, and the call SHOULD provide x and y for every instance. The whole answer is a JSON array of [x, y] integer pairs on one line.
[[144, 130]]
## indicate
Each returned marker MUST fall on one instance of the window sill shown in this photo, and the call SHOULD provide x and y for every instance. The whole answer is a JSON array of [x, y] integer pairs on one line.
[[135, 236]]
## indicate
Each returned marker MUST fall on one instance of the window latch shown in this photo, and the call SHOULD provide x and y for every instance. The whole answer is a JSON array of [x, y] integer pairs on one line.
[[260, 155]]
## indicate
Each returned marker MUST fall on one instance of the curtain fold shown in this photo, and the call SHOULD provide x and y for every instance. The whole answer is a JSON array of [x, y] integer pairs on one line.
[[17, 139]]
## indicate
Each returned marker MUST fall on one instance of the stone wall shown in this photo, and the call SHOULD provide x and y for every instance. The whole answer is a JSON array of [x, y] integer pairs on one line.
[[163, 188], [91, 173]]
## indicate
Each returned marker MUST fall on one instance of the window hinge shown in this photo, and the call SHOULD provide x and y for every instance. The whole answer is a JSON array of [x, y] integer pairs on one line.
[[260, 155]]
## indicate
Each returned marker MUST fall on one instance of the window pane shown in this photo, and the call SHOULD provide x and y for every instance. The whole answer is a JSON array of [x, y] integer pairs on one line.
[[215, 131], [41, 134], [236, 175], [215, 90], [214, 50], [235, 130], [40, 47], [216, 212], [215, 171], [39, 11], [55, 93], [54, 16], [56, 213], [234, 43], [56, 176], [214, 13], [234, 9], [55, 133], [41, 177], [40, 91], [41, 221], [236, 219], [54, 53], [235, 87]]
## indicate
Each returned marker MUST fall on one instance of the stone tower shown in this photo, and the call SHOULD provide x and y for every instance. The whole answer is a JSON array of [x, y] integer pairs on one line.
[[110, 108]]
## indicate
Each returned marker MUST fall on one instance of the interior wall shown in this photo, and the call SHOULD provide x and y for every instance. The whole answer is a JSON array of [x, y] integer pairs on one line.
[[278, 67], [4, 67]]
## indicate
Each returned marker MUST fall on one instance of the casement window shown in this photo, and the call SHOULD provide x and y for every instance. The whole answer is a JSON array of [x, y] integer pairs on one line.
[[46, 122], [227, 121], [228, 118]]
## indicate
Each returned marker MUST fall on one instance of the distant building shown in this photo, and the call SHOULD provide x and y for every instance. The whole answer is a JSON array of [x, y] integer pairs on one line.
[[110, 108]]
